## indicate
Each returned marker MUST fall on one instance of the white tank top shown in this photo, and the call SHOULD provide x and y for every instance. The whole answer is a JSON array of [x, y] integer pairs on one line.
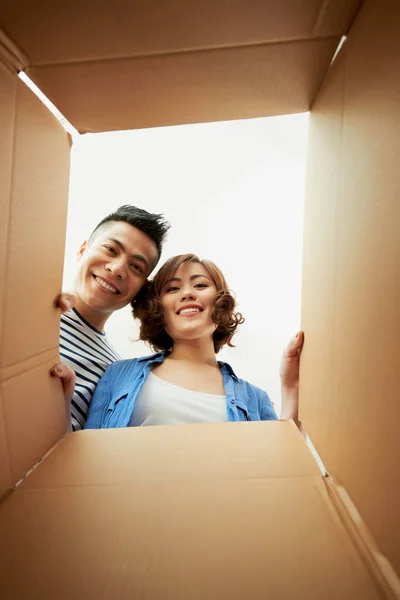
[[162, 403]]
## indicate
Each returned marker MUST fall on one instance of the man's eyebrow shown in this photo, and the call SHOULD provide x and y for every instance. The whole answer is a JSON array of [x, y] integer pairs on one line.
[[140, 257]]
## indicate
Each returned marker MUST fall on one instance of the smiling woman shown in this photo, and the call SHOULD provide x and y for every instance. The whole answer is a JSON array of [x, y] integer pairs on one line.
[[188, 313], [165, 297]]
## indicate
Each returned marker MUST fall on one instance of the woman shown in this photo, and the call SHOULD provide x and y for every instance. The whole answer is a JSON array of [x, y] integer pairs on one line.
[[187, 314]]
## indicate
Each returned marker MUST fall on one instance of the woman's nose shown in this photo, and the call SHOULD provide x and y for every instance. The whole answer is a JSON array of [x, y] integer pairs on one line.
[[188, 295]]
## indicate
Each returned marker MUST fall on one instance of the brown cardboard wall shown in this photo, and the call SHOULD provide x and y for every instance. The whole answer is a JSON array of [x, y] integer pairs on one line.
[[5, 474], [8, 91], [89, 458], [188, 87], [58, 33], [171, 513], [36, 236], [147, 64], [237, 539], [34, 192], [351, 288]]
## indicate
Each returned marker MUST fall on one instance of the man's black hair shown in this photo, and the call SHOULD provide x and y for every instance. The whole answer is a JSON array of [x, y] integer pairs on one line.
[[153, 225]]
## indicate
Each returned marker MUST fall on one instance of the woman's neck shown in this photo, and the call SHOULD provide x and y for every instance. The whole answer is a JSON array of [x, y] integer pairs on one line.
[[195, 351]]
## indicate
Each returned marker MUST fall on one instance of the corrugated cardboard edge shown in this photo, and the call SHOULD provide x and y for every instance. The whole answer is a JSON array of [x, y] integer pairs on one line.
[[324, 12], [379, 567], [386, 579], [18, 483], [382, 573], [16, 62], [340, 45], [4, 496], [14, 59]]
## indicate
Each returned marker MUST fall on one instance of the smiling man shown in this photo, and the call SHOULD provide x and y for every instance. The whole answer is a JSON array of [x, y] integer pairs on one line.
[[113, 265]]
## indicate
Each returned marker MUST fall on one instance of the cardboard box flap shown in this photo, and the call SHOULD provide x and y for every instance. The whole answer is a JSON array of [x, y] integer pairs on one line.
[[93, 30], [34, 166], [154, 454], [230, 539], [188, 87], [10, 55], [351, 287], [156, 63], [161, 461], [240, 538], [8, 92]]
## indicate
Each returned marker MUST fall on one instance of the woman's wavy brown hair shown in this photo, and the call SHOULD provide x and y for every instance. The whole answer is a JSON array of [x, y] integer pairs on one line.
[[148, 309]]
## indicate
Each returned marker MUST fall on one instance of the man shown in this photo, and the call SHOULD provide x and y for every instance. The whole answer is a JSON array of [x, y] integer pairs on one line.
[[113, 265]]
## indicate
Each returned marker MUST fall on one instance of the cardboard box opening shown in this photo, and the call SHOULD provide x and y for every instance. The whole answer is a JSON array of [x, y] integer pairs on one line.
[[233, 191]]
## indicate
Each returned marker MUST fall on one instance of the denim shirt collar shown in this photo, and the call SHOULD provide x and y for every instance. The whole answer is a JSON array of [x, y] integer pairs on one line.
[[154, 358], [233, 403], [159, 357]]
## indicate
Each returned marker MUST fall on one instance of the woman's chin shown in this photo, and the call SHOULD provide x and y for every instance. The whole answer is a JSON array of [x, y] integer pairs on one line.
[[192, 334]]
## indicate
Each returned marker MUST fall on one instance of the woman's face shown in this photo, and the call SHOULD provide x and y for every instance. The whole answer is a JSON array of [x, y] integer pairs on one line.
[[188, 302]]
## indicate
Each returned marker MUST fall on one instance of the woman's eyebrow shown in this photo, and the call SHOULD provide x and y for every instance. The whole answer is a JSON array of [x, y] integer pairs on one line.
[[191, 278], [199, 275], [172, 279]]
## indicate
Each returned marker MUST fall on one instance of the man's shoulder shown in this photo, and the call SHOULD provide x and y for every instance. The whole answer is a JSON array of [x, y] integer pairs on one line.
[[79, 337], [73, 319], [68, 317]]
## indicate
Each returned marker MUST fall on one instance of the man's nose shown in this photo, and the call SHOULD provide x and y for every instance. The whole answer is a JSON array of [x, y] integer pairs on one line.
[[117, 268]]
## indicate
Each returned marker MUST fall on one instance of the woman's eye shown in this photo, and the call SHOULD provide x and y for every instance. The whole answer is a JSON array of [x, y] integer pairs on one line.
[[201, 285], [172, 288]]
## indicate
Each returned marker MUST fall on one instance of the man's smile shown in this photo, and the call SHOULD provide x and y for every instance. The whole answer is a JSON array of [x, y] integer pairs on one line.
[[105, 285]]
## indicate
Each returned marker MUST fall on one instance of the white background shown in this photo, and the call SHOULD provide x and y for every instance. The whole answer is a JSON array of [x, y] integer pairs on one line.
[[233, 192]]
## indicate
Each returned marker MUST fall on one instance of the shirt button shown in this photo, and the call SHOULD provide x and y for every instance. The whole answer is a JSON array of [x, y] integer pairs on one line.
[[232, 400]]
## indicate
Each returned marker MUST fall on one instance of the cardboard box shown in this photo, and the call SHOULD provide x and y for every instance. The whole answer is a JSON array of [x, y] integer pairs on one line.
[[224, 510]]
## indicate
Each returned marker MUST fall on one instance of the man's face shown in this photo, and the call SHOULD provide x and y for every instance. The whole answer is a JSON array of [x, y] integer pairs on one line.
[[114, 266]]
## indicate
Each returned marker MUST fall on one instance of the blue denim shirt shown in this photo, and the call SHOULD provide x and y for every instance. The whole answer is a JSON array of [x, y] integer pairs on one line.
[[114, 398]]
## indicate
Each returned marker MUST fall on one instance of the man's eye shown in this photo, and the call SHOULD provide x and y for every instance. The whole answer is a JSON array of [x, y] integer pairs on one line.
[[110, 249], [137, 268]]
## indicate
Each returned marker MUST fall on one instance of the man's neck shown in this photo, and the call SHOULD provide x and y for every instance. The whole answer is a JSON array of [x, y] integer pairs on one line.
[[95, 318]]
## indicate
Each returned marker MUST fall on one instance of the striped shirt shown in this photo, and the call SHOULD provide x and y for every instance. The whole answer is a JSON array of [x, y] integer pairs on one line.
[[89, 353]]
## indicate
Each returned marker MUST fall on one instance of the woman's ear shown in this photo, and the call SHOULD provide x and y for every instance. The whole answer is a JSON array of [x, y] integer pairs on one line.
[[82, 249]]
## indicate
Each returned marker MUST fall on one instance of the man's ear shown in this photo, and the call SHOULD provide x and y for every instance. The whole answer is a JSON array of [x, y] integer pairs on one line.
[[82, 249]]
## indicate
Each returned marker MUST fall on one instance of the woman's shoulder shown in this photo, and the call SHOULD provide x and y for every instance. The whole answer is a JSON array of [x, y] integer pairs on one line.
[[258, 392], [243, 383], [133, 364]]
